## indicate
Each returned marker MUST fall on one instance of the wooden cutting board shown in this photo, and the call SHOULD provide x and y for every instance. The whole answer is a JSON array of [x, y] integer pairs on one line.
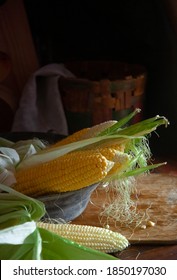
[[158, 194]]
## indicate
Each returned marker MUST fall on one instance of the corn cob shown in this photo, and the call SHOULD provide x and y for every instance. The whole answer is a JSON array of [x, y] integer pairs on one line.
[[111, 153], [70, 172], [84, 133], [96, 238], [71, 138], [119, 158], [96, 129]]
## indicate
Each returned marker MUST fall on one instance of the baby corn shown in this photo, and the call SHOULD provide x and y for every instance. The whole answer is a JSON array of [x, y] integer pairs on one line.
[[96, 238]]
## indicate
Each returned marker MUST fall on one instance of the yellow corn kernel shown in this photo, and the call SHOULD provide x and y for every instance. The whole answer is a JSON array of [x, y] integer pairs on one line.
[[111, 152], [70, 172], [150, 224], [143, 226], [119, 158], [96, 238], [118, 147]]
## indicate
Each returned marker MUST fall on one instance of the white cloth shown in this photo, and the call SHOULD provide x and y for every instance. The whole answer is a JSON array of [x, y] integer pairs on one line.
[[40, 108]]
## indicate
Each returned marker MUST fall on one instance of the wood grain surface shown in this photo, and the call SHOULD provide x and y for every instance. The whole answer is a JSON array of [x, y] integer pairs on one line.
[[157, 194]]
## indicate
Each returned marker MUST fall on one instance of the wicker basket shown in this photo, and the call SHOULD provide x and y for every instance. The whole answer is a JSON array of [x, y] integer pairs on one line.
[[102, 88]]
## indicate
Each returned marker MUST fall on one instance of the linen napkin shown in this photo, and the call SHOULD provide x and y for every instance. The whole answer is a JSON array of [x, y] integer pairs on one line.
[[40, 107]]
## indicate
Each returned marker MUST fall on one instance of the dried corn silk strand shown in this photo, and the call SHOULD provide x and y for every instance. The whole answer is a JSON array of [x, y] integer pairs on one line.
[[119, 206]]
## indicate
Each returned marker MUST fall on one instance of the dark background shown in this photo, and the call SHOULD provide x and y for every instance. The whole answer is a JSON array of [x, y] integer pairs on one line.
[[133, 31]]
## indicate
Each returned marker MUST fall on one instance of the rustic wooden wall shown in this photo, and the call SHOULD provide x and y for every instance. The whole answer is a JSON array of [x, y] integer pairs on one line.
[[15, 41]]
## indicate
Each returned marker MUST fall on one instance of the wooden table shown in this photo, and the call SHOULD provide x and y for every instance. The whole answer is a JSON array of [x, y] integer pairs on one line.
[[149, 252], [152, 249]]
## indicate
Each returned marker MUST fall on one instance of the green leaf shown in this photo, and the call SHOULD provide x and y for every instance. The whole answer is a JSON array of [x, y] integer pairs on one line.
[[16, 208], [6, 143], [55, 247], [145, 127], [114, 128], [141, 170], [21, 242]]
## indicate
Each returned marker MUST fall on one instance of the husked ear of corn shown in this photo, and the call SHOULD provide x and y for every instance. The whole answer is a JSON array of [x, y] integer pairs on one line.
[[110, 152], [70, 172], [84, 133], [97, 238], [97, 129], [71, 138]]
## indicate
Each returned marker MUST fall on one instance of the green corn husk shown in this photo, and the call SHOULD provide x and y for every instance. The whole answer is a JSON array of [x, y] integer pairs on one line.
[[11, 154]]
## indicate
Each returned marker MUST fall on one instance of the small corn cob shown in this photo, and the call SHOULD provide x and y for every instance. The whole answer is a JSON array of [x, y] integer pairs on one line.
[[70, 172], [93, 237]]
